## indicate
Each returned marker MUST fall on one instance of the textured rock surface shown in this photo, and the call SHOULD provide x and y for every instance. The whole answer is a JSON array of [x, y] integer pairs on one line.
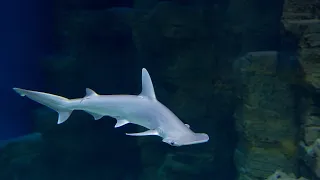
[[301, 20], [264, 119], [311, 156], [186, 165], [22, 160], [279, 175]]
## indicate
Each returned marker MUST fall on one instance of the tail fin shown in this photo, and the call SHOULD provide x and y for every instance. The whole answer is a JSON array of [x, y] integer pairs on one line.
[[57, 103]]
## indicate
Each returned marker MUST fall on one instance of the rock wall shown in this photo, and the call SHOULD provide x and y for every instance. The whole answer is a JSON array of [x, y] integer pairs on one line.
[[279, 175], [301, 21], [265, 123]]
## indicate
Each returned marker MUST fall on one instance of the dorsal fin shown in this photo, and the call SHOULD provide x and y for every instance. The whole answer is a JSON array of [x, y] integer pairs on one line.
[[90, 92], [147, 86]]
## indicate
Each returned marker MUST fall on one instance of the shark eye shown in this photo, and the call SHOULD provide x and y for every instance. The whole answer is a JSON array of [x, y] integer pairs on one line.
[[172, 143]]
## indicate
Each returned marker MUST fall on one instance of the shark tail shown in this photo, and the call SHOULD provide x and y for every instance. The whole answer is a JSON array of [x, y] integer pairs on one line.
[[57, 103]]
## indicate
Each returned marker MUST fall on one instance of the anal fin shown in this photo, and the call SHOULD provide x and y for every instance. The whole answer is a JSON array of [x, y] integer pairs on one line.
[[151, 132]]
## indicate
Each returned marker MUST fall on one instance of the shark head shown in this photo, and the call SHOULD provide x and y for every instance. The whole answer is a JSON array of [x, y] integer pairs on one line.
[[189, 139]]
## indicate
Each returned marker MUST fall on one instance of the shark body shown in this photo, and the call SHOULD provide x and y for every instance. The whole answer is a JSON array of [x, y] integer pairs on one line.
[[143, 109]]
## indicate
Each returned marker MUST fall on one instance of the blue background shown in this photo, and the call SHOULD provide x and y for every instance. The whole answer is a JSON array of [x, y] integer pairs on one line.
[[25, 37]]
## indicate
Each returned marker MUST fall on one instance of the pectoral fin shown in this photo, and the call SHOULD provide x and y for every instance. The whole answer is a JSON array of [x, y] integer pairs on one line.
[[63, 116], [121, 122], [150, 132]]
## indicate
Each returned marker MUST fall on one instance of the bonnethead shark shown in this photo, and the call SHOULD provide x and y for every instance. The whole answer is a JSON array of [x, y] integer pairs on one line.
[[143, 109]]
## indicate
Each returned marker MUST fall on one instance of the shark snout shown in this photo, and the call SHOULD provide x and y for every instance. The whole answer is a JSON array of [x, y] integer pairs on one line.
[[201, 138], [195, 138], [204, 136]]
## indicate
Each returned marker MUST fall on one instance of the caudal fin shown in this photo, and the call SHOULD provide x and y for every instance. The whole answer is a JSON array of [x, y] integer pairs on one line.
[[57, 103]]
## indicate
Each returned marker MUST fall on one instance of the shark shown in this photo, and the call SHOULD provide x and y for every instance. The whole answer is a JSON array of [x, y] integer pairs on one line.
[[143, 109]]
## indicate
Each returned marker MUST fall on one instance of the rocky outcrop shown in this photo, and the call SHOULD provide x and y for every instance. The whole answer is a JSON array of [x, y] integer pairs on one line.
[[311, 156], [265, 116], [301, 23], [22, 158], [279, 175], [264, 119]]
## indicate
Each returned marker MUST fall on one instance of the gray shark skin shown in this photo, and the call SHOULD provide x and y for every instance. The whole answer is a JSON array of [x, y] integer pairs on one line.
[[143, 109]]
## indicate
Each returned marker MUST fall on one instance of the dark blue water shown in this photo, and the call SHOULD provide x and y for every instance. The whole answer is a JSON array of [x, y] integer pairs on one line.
[[25, 26]]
